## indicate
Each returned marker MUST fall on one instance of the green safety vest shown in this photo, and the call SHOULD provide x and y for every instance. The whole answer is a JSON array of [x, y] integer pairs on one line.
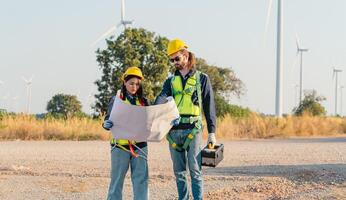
[[121, 141], [182, 96]]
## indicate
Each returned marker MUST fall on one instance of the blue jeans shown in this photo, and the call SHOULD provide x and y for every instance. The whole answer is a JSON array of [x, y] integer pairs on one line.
[[194, 161], [120, 161]]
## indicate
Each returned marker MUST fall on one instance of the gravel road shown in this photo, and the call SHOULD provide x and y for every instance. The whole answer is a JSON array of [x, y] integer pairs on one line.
[[309, 168]]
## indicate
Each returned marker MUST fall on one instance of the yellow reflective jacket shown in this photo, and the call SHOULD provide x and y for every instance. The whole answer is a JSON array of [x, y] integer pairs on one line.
[[183, 96]]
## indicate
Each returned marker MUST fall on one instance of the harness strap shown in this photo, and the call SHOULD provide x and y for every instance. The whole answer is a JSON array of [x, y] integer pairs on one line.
[[197, 119], [189, 138]]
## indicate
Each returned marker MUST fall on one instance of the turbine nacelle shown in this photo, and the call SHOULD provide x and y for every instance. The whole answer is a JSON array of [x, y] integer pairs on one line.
[[122, 22]]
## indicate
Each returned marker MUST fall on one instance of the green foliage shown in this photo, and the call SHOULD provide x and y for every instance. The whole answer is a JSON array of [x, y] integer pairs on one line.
[[311, 105], [3, 113], [223, 80], [134, 47], [223, 108], [64, 106], [225, 84], [144, 49]]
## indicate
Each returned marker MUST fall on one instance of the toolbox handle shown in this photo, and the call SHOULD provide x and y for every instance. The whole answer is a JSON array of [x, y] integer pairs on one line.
[[211, 145]]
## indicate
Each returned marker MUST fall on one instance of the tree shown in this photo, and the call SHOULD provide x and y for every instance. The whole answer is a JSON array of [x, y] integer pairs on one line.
[[64, 105], [144, 49], [311, 104], [134, 47], [223, 80], [225, 84]]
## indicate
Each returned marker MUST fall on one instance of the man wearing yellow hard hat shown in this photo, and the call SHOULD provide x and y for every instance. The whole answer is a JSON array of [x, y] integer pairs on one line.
[[193, 94], [125, 153]]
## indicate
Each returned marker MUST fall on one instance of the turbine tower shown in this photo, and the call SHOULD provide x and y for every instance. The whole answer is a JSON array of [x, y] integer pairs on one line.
[[296, 86], [300, 51], [14, 103], [341, 102], [279, 56], [1, 82], [28, 83], [123, 22], [335, 74]]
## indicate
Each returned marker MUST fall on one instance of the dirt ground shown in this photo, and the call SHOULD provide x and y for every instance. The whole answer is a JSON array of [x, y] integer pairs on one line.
[[313, 168]]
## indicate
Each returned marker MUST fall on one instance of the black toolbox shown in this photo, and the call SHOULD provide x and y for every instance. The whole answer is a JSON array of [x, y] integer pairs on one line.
[[212, 157]]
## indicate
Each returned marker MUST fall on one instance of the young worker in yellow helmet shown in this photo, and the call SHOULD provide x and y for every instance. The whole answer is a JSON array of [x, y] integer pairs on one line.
[[125, 153], [193, 95]]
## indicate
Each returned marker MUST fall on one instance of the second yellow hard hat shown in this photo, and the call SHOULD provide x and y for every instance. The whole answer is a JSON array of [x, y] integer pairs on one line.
[[175, 45], [135, 71]]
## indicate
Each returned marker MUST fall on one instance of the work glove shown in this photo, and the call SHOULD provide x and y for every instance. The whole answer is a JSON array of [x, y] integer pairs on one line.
[[163, 100], [211, 140], [175, 122], [107, 124]]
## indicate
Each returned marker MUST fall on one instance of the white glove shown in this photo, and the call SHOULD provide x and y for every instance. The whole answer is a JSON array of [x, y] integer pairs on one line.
[[211, 139], [170, 98]]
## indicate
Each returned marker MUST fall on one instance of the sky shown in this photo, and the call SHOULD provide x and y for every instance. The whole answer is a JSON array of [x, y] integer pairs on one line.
[[51, 41]]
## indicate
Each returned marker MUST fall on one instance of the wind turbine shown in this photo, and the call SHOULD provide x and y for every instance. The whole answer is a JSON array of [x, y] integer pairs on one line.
[[89, 100], [296, 86], [335, 74], [0, 85], [341, 102], [279, 56], [14, 103], [5, 99], [300, 51], [28, 92], [123, 22]]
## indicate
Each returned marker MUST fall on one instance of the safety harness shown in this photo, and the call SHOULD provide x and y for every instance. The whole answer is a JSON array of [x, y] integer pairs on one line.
[[130, 150], [196, 120]]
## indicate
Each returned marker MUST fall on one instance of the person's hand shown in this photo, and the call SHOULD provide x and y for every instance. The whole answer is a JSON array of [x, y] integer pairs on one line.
[[107, 124], [211, 140], [175, 122], [170, 98]]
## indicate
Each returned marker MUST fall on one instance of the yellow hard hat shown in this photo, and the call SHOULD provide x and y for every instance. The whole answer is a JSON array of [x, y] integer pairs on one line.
[[175, 45], [135, 71]]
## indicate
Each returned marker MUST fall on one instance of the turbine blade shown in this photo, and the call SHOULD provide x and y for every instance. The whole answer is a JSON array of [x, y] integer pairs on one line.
[[30, 80], [268, 17], [122, 10], [24, 79], [333, 73], [297, 42], [104, 35], [295, 60]]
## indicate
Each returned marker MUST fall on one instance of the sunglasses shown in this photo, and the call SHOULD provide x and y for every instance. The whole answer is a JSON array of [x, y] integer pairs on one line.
[[175, 59]]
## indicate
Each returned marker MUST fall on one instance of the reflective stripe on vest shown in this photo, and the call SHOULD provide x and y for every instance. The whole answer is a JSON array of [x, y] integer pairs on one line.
[[125, 142], [182, 96]]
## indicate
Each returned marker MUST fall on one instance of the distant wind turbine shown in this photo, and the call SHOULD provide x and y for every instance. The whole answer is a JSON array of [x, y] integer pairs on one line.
[[296, 86], [14, 103], [28, 83], [279, 56], [0, 85], [335, 74], [300, 51], [123, 22], [5, 99], [341, 102]]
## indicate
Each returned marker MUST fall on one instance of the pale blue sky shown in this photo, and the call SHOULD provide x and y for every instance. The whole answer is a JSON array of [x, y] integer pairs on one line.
[[51, 39]]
